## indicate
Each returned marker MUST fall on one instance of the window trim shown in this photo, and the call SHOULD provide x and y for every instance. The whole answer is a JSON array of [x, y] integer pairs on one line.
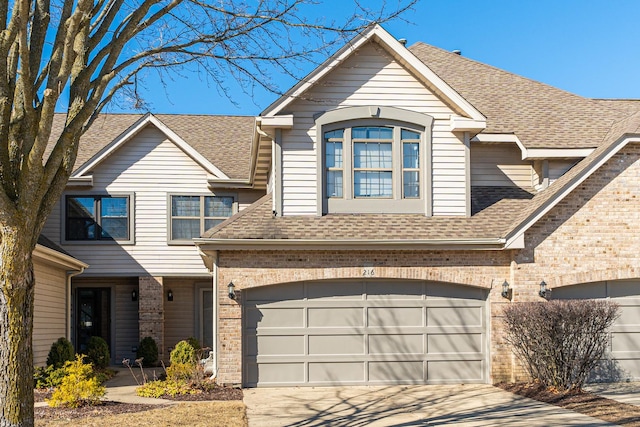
[[398, 118], [202, 218], [130, 216]]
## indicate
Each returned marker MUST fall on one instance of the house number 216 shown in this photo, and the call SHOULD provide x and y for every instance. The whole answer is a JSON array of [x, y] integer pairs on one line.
[[368, 272]]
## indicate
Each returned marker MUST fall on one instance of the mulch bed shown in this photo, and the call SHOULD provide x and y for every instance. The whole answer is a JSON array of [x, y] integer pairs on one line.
[[583, 402], [218, 393], [114, 408]]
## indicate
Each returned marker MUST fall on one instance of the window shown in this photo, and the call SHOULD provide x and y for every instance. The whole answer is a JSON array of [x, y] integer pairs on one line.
[[373, 159], [191, 216], [372, 163], [97, 218]]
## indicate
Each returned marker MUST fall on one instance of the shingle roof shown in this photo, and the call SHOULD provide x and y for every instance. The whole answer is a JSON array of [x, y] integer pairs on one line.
[[629, 125], [223, 140], [257, 222], [540, 115]]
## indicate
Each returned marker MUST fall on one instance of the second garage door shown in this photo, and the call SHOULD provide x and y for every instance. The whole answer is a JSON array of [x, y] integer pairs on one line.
[[374, 332]]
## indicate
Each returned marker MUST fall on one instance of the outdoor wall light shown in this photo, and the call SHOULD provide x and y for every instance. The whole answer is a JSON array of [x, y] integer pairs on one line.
[[506, 291], [232, 290], [134, 295], [545, 292], [170, 295]]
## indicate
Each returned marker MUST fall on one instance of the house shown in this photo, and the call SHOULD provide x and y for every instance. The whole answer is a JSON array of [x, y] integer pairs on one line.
[[408, 186], [362, 229], [143, 186]]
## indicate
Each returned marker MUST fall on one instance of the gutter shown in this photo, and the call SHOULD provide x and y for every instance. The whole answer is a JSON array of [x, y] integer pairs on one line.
[[205, 244]]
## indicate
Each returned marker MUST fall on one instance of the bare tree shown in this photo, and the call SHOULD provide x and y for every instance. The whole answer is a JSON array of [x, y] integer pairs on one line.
[[93, 50]]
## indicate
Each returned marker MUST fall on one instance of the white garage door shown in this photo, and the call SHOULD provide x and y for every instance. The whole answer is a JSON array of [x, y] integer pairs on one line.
[[625, 333], [374, 332]]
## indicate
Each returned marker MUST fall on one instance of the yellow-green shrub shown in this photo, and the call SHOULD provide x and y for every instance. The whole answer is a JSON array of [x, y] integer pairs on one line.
[[79, 386], [183, 353], [167, 387], [181, 371]]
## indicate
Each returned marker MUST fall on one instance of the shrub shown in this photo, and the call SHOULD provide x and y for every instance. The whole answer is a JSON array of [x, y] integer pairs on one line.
[[48, 377], [183, 353], [560, 342], [79, 386], [195, 344], [181, 371], [165, 388], [148, 351], [98, 352], [61, 351]]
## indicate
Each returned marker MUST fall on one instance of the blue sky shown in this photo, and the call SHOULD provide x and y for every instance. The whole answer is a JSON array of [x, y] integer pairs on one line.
[[588, 47]]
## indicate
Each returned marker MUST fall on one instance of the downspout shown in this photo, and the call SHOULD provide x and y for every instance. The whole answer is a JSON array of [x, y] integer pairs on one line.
[[214, 275], [70, 275]]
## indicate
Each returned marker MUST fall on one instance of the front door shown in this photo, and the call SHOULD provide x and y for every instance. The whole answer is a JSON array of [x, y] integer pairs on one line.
[[93, 309]]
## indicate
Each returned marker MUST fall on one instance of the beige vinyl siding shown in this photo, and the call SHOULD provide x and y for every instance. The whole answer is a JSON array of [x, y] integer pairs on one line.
[[125, 335], [369, 77], [557, 168], [148, 168], [50, 307], [179, 314], [500, 165]]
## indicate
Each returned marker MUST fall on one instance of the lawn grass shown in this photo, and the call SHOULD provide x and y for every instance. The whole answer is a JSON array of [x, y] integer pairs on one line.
[[219, 413]]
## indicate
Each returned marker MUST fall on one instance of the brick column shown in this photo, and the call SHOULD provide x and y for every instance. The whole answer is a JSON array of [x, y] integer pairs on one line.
[[151, 310]]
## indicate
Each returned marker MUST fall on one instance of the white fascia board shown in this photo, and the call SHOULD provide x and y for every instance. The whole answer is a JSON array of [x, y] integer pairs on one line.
[[275, 122], [327, 66], [534, 153], [132, 131], [464, 124], [229, 183], [558, 153], [518, 232], [423, 70], [52, 256], [81, 181], [501, 137], [212, 244], [398, 49]]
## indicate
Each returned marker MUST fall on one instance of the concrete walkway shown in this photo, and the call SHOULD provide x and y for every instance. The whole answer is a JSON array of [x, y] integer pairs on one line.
[[460, 405], [622, 392]]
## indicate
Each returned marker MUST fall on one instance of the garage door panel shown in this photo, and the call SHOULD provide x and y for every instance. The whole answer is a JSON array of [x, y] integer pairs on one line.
[[621, 341], [390, 344], [454, 370], [454, 343], [327, 317], [275, 317], [395, 316], [401, 291], [392, 371], [630, 315], [624, 289], [370, 332], [333, 291], [332, 372], [454, 316], [295, 291], [275, 345], [275, 373], [450, 291], [336, 344]]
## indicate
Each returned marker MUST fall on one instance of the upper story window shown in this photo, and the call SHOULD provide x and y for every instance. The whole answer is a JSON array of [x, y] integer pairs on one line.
[[191, 216], [97, 218]]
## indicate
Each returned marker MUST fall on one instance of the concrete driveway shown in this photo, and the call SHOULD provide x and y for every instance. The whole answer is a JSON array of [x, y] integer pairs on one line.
[[403, 406]]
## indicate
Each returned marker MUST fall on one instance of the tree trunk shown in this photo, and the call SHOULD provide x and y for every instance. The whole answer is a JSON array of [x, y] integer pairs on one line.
[[16, 326]]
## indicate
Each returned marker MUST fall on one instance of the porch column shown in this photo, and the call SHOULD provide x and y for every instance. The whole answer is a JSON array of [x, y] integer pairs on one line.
[[151, 310]]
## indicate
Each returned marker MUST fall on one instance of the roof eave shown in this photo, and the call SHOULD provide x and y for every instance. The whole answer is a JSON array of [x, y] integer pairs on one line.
[[57, 258], [213, 244]]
